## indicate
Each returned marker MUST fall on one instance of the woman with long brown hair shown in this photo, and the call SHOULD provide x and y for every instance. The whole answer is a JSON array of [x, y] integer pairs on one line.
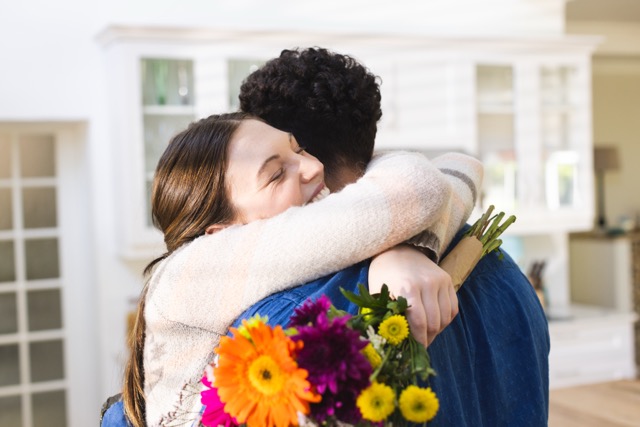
[[228, 196]]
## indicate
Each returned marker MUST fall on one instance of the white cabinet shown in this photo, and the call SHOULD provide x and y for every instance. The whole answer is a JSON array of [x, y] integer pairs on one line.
[[152, 95], [593, 345], [605, 271], [160, 80], [530, 128], [522, 106]]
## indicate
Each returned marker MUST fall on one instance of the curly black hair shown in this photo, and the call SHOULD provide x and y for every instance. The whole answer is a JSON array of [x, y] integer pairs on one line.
[[329, 101]]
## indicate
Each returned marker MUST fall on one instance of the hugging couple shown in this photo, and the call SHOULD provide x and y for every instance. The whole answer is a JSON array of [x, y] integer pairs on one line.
[[285, 201]]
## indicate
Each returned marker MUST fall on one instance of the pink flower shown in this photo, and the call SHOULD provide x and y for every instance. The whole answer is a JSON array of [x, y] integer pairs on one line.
[[214, 414]]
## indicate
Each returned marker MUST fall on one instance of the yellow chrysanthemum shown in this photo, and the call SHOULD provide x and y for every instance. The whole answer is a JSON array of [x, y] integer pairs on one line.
[[394, 329], [372, 356], [376, 402], [258, 379], [252, 322], [418, 405]]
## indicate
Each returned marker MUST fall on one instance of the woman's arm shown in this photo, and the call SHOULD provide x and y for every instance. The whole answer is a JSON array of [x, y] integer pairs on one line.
[[226, 272], [464, 174]]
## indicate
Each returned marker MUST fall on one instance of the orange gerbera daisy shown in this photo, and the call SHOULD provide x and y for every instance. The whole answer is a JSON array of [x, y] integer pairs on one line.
[[259, 380]]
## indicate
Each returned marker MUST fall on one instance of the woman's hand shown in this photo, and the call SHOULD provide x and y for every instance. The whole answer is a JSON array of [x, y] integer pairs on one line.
[[428, 289]]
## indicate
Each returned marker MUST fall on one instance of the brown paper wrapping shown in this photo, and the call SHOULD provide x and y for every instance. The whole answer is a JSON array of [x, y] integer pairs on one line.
[[462, 260]]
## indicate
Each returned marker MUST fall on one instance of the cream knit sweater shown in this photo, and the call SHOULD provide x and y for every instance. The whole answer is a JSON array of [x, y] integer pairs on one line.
[[198, 291]]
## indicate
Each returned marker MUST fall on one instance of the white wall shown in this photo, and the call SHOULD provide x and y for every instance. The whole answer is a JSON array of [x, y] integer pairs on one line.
[[616, 114], [620, 38], [50, 59]]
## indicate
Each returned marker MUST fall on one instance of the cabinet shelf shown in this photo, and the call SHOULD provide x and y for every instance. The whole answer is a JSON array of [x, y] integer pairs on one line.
[[495, 109], [558, 108], [168, 110]]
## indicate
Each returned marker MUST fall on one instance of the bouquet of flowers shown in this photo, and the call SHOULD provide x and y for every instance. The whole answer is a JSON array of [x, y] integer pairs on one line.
[[328, 367]]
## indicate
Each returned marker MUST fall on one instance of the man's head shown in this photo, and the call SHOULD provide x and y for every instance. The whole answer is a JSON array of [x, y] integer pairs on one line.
[[330, 103]]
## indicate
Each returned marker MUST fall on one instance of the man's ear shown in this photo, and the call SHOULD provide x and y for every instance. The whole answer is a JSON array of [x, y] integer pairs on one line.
[[214, 228]]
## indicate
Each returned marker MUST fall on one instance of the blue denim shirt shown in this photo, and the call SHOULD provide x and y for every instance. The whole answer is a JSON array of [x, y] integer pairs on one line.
[[492, 361]]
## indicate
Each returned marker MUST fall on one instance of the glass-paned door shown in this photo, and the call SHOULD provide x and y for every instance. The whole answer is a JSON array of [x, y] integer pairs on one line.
[[33, 382]]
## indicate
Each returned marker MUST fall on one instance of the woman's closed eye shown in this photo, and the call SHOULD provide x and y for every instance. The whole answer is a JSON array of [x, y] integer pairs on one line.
[[300, 150], [277, 176]]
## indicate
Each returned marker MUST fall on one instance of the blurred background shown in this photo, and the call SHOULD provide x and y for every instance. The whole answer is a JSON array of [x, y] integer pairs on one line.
[[545, 92]]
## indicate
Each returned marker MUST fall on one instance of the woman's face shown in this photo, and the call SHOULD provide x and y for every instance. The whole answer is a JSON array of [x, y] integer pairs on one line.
[[268, 172]]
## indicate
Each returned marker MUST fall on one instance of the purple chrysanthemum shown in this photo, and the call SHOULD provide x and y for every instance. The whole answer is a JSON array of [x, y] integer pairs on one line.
[[309, 311], [341, 406], [336, 366]]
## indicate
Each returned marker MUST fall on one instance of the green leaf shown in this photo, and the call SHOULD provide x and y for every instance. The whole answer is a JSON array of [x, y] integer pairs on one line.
[[362, 300]]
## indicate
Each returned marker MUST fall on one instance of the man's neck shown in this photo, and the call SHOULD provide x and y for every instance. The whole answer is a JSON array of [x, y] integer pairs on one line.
[[342, 177]]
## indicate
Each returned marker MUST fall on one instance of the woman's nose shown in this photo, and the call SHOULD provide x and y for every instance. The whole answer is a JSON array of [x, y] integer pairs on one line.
[[310, 168]]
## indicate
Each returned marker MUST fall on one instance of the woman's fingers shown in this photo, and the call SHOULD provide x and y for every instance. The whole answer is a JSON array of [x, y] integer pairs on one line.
[[417, 316]]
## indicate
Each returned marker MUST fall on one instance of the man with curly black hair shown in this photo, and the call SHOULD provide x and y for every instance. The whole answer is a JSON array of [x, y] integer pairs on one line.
[[329, 102], [492, 360]]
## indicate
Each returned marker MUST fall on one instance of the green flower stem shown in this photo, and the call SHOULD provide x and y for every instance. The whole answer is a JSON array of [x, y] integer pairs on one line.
[[382, 364], [488, 236], [494, 245], [487, 229], [479, 226]]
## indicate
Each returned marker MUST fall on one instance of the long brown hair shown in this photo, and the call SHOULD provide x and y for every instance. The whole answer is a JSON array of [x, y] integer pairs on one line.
[[189, 194]]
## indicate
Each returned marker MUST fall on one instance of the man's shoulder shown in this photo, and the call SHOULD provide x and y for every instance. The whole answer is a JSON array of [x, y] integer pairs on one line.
[[347, 278], [280, 306], [112, 413]]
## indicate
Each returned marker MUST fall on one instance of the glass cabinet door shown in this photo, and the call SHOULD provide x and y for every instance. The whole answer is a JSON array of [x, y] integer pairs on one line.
[[496, 135], [167, 108], [530, 141], [237, 71], [560, 153]]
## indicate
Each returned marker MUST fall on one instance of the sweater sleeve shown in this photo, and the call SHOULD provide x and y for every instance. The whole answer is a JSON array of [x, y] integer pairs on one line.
[[464, 174], [212, 280]]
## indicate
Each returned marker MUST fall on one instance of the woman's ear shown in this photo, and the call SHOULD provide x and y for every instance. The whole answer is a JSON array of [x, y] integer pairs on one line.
[[214, 228]]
